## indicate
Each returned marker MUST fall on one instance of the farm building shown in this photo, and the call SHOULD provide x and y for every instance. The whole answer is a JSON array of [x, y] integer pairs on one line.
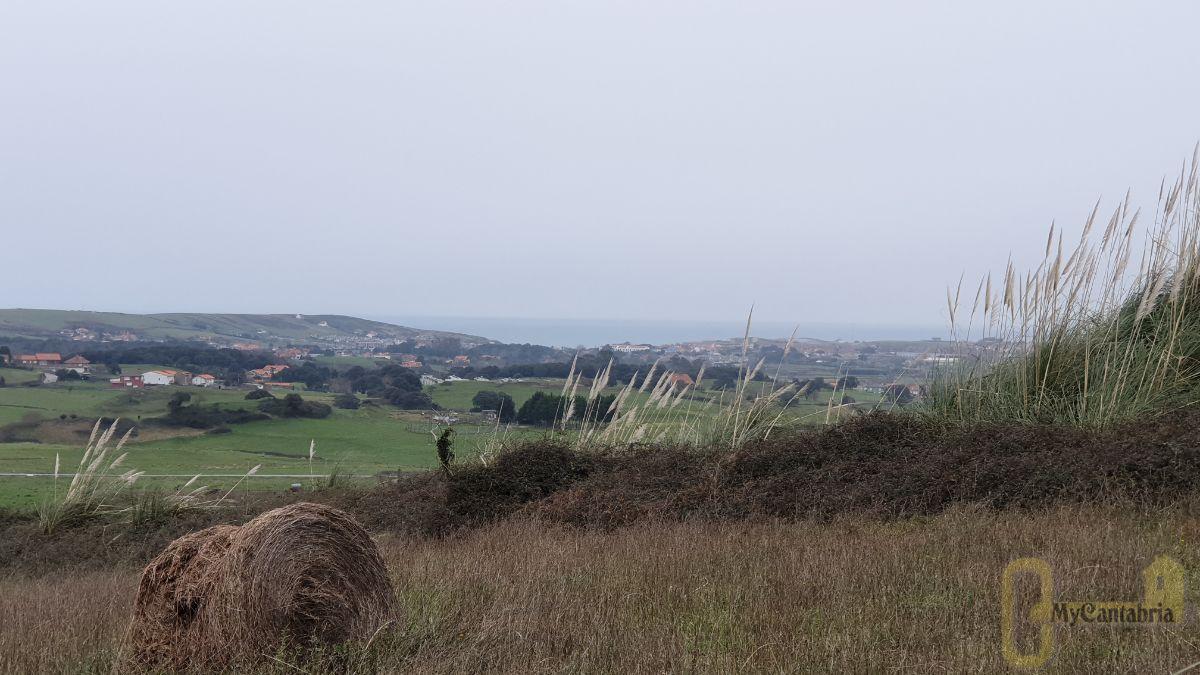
[[166, 377], [131, 381], [47, 378], [39, 359], [158, 377]]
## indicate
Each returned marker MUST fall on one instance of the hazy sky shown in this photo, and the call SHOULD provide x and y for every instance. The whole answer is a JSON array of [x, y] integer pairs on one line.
[[831, 161]]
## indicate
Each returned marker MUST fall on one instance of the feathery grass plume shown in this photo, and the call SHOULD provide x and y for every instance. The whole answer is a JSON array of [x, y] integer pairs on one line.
[[95, 487], [1089, 338], [249, 473], [312, 452], [653, 410]]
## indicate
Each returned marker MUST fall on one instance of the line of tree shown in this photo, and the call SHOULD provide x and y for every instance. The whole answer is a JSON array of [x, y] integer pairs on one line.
[[716, 376], [445, 348], [228, 364], [543, 409]]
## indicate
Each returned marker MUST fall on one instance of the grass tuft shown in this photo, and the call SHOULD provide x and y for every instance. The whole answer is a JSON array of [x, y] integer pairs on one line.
[[1095, 335]]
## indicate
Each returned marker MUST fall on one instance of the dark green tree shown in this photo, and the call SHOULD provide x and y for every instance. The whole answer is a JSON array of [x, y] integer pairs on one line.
[[495, 401]]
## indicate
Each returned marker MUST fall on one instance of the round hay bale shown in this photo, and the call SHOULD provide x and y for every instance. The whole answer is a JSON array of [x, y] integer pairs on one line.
[[301, 576], [171, 595]]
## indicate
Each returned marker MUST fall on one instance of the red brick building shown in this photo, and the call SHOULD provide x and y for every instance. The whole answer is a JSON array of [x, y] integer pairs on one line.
[[124, 381]]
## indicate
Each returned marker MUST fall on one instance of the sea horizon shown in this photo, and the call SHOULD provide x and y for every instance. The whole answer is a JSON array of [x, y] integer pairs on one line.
[[598, 332]]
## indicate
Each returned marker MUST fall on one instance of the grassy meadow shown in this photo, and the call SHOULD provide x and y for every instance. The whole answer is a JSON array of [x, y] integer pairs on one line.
[[361, 443]]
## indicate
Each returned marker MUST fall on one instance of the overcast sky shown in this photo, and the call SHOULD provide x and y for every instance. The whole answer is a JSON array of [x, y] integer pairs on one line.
[[830, 161]]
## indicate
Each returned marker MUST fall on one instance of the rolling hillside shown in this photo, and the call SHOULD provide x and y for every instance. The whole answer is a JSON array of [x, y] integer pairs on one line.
[[49, 323]]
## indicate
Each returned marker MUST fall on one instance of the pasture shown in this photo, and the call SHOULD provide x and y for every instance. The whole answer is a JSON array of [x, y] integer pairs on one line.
[[360, 443]]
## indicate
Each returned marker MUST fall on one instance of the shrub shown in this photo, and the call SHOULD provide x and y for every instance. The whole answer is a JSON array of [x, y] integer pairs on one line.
[[206, 417], [346, 402], [294, 405], [408, 400], [259, 394]]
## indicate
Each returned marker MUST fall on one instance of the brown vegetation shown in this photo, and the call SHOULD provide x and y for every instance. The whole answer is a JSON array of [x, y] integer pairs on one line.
[[890, 466], [845, 595], [881, 464], [876, 543], [297, 577]]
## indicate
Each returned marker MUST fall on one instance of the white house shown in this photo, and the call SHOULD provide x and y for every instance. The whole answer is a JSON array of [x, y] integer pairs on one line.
[[78, 364], [158, 377], [626, 347], [204, 380]]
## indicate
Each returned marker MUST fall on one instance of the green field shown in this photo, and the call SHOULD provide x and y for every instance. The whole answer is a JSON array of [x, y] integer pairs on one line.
[[362, 442], [458, 395]]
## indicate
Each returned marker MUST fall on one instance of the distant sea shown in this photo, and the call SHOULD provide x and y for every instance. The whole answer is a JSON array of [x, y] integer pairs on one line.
[[597, 332]]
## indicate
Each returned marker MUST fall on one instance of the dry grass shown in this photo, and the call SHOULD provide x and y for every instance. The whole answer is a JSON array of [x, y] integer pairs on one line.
[[659, 411], [95, 485], [851, 595], [1095, 334]]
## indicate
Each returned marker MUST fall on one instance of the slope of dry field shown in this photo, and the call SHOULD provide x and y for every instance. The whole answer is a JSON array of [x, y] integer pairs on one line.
[[851, 594]]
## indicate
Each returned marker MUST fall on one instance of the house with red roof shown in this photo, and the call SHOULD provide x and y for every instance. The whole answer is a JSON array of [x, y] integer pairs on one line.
[[682, 380], [78, 364], [165, 376], [204, 380], [39, 359], [126, 381], [266, 373]]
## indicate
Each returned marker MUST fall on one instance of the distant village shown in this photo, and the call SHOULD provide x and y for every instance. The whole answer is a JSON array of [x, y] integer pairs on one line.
[[875, 364]]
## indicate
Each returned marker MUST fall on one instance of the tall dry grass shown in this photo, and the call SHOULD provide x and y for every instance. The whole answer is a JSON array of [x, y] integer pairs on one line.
[[96, 485], [661, 411], [851, 595], [98, 489], [1102, 331]]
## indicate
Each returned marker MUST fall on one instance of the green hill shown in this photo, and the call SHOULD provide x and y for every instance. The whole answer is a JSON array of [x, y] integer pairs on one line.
[[299, 328]]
